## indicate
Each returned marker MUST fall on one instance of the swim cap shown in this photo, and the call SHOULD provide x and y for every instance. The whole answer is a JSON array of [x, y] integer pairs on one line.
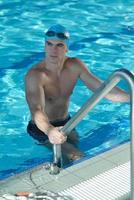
[[57, 32]]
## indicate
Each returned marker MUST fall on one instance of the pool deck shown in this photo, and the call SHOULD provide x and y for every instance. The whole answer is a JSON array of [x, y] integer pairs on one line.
[[39, 179]]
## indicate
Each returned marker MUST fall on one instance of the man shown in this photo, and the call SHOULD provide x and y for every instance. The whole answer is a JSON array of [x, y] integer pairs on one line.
[[49, 85]]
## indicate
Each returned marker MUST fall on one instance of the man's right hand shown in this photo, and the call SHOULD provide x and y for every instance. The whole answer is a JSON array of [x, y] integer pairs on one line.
[[55, 136]]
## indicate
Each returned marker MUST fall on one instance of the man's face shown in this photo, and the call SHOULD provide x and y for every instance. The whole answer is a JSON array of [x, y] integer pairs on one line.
[[55, 49]]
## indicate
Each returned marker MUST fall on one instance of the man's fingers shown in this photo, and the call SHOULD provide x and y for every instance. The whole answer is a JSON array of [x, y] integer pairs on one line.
[[58, 140], [56, 136]]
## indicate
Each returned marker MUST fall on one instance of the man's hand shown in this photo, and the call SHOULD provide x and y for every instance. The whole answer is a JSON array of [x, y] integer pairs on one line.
[[55, 136]]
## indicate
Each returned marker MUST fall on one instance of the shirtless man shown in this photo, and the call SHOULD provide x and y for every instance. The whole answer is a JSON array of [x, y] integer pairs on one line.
[[49, 85]]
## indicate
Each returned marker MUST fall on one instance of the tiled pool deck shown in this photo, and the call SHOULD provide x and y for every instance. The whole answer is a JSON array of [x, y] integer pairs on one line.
[[39, 179]]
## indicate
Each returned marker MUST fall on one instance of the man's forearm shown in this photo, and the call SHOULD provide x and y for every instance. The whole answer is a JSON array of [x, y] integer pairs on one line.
[[118, 95], [42, 122]]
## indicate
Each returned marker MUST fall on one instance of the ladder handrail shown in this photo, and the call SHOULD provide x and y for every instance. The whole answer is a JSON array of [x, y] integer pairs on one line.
[[101, 92]]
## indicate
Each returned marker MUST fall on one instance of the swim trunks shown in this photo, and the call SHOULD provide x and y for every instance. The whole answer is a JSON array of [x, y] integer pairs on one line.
[[39, 135]]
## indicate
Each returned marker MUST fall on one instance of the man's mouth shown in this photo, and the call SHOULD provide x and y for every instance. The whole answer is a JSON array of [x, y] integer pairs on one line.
[[54, 56]]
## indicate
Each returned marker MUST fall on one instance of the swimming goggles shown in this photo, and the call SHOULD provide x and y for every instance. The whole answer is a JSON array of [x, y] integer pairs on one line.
[[62, 36]]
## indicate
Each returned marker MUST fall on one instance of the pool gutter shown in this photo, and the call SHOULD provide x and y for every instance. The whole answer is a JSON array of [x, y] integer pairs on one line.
[[39, 179]]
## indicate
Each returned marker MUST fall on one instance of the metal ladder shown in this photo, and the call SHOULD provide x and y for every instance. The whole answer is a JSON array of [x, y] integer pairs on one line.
[[101, 92]]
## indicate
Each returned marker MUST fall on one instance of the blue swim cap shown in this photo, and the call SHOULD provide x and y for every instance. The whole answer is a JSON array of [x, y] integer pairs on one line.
[[57, 32]]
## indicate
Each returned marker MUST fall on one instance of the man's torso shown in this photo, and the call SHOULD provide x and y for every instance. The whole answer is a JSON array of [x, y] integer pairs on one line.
[[57, 89]]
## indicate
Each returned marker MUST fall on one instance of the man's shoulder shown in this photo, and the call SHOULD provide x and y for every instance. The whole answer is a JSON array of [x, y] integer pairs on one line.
[[76, 62], [73, 59], [35, 69], [35, 73]]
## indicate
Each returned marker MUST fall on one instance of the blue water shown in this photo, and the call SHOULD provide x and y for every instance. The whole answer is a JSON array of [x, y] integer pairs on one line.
[[102, 35]]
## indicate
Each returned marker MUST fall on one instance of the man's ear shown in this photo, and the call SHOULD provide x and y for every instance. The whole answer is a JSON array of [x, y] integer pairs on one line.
[[66, 49]]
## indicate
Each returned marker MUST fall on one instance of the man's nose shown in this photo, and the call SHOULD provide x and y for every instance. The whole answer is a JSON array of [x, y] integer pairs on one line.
[[54, 48]]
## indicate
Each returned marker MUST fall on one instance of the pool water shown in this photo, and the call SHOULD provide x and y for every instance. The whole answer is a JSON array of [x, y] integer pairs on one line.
[[102, 35]]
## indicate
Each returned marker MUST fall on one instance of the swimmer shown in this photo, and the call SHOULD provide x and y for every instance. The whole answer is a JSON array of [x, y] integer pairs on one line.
[[49, 85]]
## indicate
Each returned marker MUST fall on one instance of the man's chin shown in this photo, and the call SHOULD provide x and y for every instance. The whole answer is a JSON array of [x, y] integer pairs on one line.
[[54, 58]]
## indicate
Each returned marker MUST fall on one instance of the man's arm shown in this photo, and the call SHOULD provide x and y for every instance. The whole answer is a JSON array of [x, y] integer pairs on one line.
[[35, 96], [93, 83]]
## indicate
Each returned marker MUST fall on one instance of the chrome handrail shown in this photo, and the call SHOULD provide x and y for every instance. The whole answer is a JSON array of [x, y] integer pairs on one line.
[[101, 92]]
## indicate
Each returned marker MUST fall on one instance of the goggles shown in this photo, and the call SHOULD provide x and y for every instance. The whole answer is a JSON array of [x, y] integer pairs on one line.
[[62, 36]]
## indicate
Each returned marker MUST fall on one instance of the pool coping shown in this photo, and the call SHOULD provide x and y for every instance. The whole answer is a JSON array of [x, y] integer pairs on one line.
[[39, 179]]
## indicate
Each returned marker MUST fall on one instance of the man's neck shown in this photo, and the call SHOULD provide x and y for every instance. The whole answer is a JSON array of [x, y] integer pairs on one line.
[[55, 66]]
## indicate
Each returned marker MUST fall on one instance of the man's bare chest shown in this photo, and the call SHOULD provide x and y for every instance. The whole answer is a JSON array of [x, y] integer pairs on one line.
[[59, 88]]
